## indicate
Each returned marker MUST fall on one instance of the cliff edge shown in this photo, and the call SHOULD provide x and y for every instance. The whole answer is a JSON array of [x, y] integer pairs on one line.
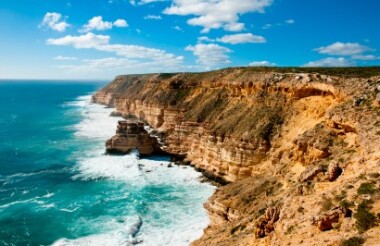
[[300, 148]]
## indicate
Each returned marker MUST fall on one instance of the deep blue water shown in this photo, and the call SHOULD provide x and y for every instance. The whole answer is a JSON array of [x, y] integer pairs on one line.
[[57, 186]]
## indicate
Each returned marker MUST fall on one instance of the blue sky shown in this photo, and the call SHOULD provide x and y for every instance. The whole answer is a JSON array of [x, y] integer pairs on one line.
[[98, 39]]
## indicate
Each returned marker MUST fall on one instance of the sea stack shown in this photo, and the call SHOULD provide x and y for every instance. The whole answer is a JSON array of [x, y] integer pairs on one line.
[[131, 134]]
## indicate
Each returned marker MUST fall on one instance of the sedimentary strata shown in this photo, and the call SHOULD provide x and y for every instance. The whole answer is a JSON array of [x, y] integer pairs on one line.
[[293, 144], [130, 135]]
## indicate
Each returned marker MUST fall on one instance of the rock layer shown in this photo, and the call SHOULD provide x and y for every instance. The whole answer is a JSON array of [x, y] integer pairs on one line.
[[291, 140], [132, 135]]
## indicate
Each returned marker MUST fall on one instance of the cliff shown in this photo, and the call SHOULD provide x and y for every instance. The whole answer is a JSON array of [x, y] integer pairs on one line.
[[300, 148]]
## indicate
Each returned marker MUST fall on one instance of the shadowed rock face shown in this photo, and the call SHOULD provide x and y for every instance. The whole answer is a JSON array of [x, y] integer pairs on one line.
[[291, 145], [131, 135]]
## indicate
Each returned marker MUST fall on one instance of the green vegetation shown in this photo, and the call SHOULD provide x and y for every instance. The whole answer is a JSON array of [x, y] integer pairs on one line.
[[353, 241], [366, 188], [363, 72], [365, 219], [374, 175], [326, 203], [178, 96], [237, 228], [167, 75], [340, 196], [290, 229], [346, 204]]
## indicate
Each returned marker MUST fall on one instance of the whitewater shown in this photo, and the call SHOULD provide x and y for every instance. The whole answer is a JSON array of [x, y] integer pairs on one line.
[[78, 195]]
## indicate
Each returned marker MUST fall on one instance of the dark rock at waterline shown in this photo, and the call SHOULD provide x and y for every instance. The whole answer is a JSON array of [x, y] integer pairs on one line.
[[116, 114]]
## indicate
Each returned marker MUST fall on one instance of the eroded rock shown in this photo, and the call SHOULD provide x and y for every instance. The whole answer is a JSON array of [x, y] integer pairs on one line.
[[130, 135], [265, 224], [310, 173], [333, 171], [327, 220]]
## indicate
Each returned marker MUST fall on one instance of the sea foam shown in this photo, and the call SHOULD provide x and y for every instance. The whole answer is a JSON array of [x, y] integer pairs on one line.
[[168, 219]]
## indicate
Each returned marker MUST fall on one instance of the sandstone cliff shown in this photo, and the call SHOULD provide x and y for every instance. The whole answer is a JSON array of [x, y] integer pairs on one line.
[[300, 149]]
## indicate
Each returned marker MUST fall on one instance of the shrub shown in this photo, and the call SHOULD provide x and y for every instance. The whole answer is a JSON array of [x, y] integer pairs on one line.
[[365, 219], [353, 241], [301, 209], [366, 188], [346, 204], [341, 196], [326, 203], [290, 229]]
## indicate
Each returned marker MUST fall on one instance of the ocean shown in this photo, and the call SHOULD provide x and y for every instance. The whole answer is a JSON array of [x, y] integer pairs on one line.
[[57, 187]]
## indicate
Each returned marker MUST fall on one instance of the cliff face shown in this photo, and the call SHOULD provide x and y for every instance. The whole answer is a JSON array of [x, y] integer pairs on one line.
[[294, 146]]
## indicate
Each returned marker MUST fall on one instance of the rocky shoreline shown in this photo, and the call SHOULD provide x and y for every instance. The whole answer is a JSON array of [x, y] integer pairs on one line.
[[131, 134], [294, 148]]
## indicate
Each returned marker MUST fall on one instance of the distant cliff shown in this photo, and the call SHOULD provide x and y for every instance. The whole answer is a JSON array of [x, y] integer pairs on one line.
[[301, 148]]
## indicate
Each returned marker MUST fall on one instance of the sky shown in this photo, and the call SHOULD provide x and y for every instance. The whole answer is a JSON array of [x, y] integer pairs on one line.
[[99, 39]]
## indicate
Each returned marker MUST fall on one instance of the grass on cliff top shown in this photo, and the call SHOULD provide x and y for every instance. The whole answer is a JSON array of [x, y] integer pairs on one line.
[[361, 72]]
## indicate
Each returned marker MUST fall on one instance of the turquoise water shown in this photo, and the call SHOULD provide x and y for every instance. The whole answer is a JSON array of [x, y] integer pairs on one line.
[[57, 186]]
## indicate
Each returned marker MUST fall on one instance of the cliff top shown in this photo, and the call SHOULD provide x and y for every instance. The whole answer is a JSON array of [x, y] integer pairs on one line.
[[358, 72]]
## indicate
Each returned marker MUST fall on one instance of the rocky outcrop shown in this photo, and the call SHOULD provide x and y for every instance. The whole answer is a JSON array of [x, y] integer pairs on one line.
[[334, 171], [327, 220], [280, 137], [265, 224], [131, 135]]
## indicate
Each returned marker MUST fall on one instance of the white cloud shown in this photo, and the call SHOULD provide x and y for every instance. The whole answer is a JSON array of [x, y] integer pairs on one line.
[[210, 55], [286, 22], [153, 17], [97, 23], [205, 39], [55, 22], [120, 23], [267, 26], [343, 49], [86, 41], [233, 27], [93, 65], [101, 43], [215, 14], [235, 39], [142, 2], [118, 65], [178, 28], [331, 62], [262, 64], [290, 21], [365, 57], [65, 58], [241, 38]]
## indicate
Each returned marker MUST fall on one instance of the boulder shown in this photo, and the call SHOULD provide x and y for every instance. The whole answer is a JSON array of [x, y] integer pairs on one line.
[[310, 173], [333, 171], [326, 221]]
